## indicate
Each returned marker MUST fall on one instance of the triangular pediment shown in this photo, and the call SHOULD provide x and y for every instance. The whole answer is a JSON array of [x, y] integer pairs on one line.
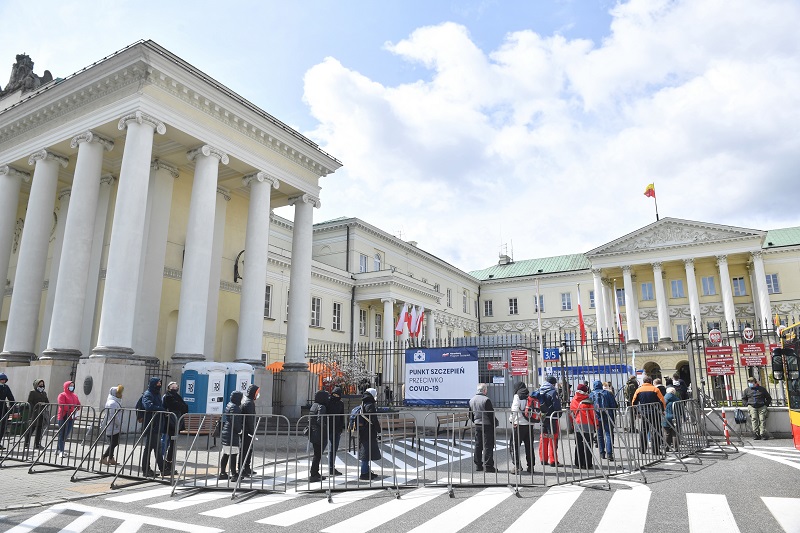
[[674, 233]]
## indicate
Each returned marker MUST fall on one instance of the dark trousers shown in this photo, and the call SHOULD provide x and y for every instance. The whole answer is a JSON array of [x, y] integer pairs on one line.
[[152, 443], [112, 446], [484, 446], [37, 428], [583, 449], [332, 449], [651, 426], [247, 453], [318, 442], [523, 435]]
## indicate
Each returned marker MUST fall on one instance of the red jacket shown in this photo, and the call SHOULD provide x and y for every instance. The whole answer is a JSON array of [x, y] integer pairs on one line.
[[582, 411], [68, 402]]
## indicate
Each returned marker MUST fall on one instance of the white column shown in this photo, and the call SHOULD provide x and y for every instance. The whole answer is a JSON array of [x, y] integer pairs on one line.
[[371, 324], [256, 245], [10, 182], [664, 328], [694, 299], [26, 299], [388, 319], [300, 280], [631, 305], [761, 288], [55, 262], [118, 315], [70, 293], [191, 332], [599, 305], [209, 346], [608, 307], [430, 325], [154, 249], [98, 241], [727, 293]]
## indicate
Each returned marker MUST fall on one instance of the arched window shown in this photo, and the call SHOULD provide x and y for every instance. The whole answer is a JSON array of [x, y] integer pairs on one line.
[[377, 263]]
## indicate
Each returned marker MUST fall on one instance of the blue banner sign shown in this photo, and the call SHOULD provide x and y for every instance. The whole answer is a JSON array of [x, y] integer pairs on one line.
[[441, 376]]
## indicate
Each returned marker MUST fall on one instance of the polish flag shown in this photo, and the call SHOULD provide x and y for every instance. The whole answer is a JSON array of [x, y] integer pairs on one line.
[[414, 318], [402, 320], [420, 319], [581, 323]]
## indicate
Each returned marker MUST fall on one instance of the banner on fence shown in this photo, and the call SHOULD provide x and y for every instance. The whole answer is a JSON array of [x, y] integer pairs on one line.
[[441, 376]]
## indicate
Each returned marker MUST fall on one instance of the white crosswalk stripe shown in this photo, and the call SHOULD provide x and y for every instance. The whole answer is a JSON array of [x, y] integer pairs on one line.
[[710, 513], [786, 512], [293, 516], [463, 514], [549, 510]]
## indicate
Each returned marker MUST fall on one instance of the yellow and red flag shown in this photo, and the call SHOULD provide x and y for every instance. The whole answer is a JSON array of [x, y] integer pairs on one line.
[[650, 191]]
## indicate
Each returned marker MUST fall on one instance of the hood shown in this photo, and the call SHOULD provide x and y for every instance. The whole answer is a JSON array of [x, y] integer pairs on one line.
[[66, 386], [374, 393], [322, 397], [546, 387], [521, 390], [337, 391], [597, 385], [152, 385], [252, 390], [112, 394], [36, 383], [236, 397], [580, 395], [367, 397], [633, 379]]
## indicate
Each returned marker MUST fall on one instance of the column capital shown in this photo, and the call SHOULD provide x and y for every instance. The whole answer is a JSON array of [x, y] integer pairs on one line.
[[757, 254], [225, 193], [47, 155], [92, 137], [12, 172], [208, 151], [597, 271], [627, 269], [142, 118], [306, 199], [260, 177], [66, 191], [158, 164], [688, 262], [107, 179], [390, 300], [722, 260], [656, 265]]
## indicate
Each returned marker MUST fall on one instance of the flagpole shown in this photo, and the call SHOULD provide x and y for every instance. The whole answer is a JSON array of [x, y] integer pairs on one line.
[[655, 200], [539, 357]]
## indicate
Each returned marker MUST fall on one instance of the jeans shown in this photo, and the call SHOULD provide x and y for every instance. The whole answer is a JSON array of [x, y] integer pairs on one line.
[[758, 417], [605, 436], [365, 468], [65, 430]]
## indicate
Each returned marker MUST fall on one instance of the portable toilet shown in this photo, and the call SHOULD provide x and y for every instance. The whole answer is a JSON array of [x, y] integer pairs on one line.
[[203, 386], [239, 377]]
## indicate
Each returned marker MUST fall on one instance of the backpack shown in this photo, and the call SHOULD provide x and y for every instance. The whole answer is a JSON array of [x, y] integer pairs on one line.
[[140, 410], [351, 422], [740, 417], [533, 410]]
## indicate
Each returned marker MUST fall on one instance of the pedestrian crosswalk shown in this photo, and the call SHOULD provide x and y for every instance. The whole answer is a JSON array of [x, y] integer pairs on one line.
[[424, 509], [783, 454]]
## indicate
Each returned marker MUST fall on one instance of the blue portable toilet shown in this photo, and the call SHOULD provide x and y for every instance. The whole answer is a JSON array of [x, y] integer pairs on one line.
[[239, 377], [203, 386]]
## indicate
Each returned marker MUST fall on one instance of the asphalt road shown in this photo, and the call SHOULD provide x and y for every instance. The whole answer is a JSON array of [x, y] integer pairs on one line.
[[755, 490]]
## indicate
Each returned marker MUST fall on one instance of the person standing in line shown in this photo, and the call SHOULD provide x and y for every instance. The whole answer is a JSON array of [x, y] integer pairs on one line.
[[368, 429], [174, 404], [522, 430], [671, 422], [481, 411], [318, 431], [660, 386], [68, 405], [113, 424], [630, 390], [152, 423], [585, 424], [335, 428], [6, 399], [550, 406], [248, 429], [649, 403], [757, 400], [231, 429], [605, 406], [38, 400], [681, 389]]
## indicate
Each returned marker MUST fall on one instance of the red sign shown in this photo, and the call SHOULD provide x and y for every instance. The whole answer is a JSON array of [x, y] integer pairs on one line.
[[718, 351], [751, 349], [497, 365], [752, 354], [519, 362], [753, 360], [720, 366]]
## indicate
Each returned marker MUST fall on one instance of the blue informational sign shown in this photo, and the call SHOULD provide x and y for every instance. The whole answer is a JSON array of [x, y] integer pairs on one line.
[[550, 354], [441, 376]]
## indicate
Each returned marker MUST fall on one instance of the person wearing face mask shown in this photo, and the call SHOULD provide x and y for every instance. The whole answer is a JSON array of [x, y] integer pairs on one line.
[[173, 402], [37, 399], [153, 421], [113, 424], [757, 400], [68, 405], [6, 399], [248, 429]]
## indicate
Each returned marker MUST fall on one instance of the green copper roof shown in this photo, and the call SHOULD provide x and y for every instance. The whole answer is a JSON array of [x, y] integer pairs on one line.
[[529, 267], [782, 237]]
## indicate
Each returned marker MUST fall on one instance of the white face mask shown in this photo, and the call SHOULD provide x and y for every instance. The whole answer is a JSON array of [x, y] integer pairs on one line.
[[40, 389], [71, 388]]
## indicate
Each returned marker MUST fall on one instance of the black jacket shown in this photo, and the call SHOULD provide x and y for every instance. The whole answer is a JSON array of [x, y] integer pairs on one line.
[[756, 396], [175, 405], [232, 420], [249, 408], [368, 428], [336, 407]]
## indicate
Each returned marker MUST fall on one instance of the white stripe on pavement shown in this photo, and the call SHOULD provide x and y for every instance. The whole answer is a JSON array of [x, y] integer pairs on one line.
[[319, 507], [81, 523], [35, 521], [628, 507], [710, 513], [390, 510], [197, 499], [251, 505], [129, 526], [786, 512], [777, 459], [458, 517], [549, 510], [143, 495]]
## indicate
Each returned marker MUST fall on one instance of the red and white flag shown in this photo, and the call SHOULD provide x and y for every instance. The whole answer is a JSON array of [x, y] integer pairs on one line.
[[402, 320], [620, 332], [412, 324], [581, 323], [416, 328]]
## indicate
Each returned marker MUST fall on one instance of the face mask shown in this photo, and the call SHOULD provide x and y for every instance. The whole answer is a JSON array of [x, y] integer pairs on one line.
[[40, 389], [72, 388], [173, 390], [258, 395], [751, 385]]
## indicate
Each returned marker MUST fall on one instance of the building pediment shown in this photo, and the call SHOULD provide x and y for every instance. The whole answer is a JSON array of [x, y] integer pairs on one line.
[[674, 233]]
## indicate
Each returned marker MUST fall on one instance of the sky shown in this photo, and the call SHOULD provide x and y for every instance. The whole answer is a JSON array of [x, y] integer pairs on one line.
[[477, 127]]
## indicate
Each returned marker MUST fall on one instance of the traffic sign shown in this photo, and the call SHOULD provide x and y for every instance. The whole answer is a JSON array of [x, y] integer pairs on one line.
[[715, 336], [550, 354], [748, 334]]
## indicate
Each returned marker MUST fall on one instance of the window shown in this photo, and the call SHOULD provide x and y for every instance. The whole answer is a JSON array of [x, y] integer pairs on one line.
[[476, 308], [677, 288], [647, 291], [709, 289], [376, 263], [652, 334], [337, 317], [713, 325], [449, 298], [362, 263], [438, 333], [591, 299], [570, 340], [683, 332], [512, 306], [538, 308], [378, 326], [449, 337], [287, 305], [316, 309], [464, 301], [772, 284], [738, 287], [362, 322], [268, 301], [621, 297], [566, 301], [487, 308]]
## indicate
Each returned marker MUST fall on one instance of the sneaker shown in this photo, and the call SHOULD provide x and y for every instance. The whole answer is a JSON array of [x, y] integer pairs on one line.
[[246, 473], [104, 461], [223, 476], [513, 470], [611, 458], [765, 436], [149, 473], [334, 472], [479, 468], [490, 469], [112, 461], [603, 455], [314, 479], [757, 437]]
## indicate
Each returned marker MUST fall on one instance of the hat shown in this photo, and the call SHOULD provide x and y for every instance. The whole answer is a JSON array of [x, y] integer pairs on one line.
[[337, 391], [373, 392], [3, 376], [120, 388], [552, 379], [670, 390], [583, 387]]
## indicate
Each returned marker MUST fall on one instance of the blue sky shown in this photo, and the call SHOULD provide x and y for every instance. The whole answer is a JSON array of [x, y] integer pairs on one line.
[[469, 125]]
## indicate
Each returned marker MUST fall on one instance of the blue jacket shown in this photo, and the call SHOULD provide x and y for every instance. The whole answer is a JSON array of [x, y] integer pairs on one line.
[[669, 417], [604, 402], [151, 401]]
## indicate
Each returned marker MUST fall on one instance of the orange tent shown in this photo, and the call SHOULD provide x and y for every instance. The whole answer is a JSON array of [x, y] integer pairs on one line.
[[277, 366]]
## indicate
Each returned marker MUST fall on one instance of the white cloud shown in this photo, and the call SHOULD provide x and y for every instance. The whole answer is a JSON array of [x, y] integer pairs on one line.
[[549, 142]]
